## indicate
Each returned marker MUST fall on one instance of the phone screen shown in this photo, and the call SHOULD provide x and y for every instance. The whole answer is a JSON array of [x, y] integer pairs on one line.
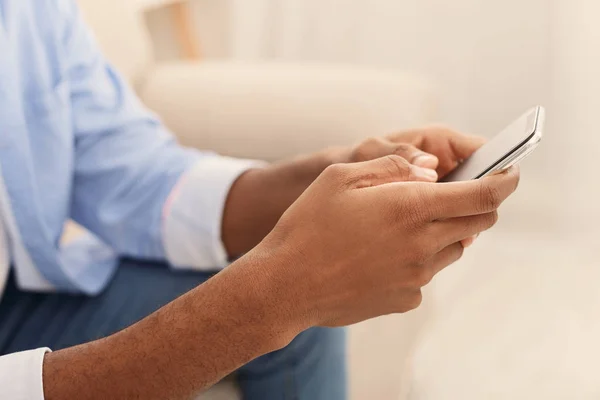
[[497, 149]]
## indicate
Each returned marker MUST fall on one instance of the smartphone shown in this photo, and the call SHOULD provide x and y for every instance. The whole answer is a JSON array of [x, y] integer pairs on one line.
[[506, 149]]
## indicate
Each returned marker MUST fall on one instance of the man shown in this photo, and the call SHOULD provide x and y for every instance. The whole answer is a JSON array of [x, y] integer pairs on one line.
[[360, 242]]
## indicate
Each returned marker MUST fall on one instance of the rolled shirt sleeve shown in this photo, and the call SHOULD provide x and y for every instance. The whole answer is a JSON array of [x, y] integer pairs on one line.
[[128, 165], [192, 216], [21, 375]]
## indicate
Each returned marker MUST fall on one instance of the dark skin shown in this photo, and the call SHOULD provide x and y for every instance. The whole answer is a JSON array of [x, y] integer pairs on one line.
[[269, 192], [408, 227]]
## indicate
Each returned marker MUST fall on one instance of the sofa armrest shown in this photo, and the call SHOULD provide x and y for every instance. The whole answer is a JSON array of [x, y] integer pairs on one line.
[[272, 111]]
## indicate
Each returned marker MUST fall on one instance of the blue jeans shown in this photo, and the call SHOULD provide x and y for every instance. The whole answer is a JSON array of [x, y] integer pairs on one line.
[[312, 367]]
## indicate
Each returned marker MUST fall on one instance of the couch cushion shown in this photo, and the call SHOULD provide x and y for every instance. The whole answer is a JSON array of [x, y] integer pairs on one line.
[[516, 319], [271, 110]]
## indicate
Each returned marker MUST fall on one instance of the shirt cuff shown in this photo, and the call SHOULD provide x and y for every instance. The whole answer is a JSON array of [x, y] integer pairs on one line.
[[21, 375], [193, 213]]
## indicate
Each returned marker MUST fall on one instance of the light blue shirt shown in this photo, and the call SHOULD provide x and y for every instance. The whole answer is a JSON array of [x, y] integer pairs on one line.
[[75, 142]]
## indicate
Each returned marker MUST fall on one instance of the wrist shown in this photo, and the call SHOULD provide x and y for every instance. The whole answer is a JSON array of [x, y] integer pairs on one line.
[[271, 301], [259, 197], [248, 212]]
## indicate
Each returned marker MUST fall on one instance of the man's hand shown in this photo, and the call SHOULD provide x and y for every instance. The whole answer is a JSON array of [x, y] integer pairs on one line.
[[259, 197], [365, 238], [450, 147], [360, 242], [377, 147], [434, 147]]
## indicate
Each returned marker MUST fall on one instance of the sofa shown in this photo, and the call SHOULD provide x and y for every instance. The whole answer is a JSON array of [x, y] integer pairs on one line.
[[270, 111]]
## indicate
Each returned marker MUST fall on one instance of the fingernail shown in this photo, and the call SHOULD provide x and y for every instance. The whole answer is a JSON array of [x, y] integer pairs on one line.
[[425, 160], [424, 173]]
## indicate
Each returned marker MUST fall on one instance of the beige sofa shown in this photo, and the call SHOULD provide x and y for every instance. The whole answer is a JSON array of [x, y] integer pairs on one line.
[[270, 111]]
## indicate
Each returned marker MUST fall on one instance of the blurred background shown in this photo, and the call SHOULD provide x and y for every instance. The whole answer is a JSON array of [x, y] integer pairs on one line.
[[518, 316], [487, 61]]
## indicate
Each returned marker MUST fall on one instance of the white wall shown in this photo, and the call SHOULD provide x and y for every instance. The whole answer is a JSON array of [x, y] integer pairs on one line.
[[576, 106], [489, 58]]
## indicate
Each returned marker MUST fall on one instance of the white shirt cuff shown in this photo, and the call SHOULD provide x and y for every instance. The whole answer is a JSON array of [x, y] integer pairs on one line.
[[21, 375], [193, 214]]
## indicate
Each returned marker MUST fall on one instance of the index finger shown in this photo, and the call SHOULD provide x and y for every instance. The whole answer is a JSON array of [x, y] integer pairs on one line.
[[461, 199]]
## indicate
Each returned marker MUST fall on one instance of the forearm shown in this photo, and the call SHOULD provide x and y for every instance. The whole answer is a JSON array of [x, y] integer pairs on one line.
[[258, 198], [183, 348]]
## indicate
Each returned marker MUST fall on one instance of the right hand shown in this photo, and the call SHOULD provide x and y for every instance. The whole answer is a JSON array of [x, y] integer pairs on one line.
[[365, 238]]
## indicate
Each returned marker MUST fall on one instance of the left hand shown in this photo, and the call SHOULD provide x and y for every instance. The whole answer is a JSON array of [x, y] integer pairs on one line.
[[437, 148], [259, 197]]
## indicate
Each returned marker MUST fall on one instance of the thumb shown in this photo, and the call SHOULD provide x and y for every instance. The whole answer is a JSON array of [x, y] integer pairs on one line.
[[388, 169]]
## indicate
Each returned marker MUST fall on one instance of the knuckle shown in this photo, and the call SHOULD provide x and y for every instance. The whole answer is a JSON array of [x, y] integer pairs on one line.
[[458, 253], [403, 148], [400, 218], [432, 240], [336, 172], [415, 300], [396, 165], [408, 214], [491, 219], [421, 206], [480, 223], [371, 141], [395, 212], [415, 279], [489, 197], [414, 222], [424, 277], [365, 150]]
